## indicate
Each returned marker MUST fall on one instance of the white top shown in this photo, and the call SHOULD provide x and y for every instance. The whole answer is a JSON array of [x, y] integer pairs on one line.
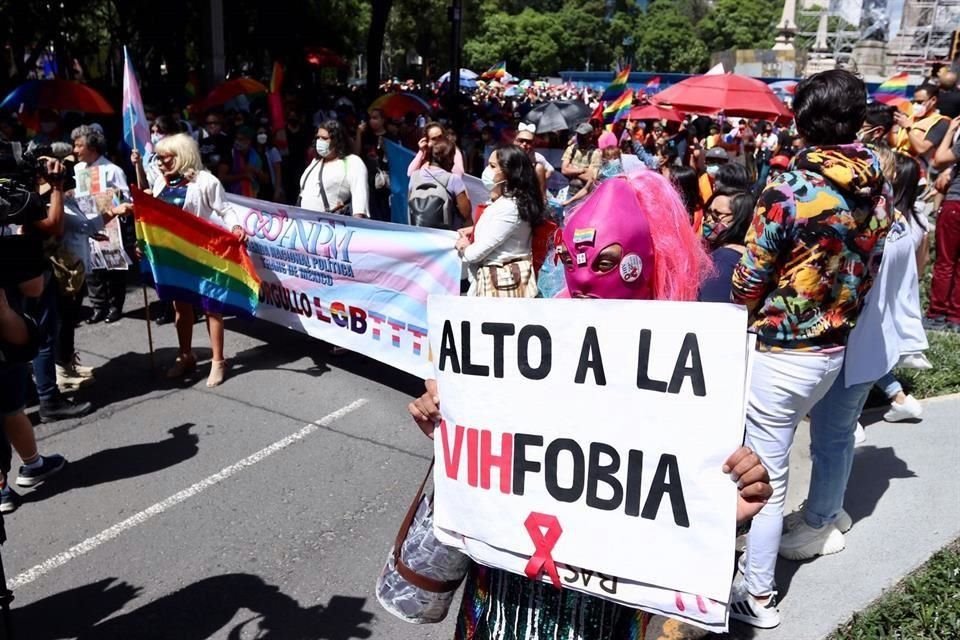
[[541, 160], [500, 236], [206, 199], [890, 324], [344, 180], [113, 176]]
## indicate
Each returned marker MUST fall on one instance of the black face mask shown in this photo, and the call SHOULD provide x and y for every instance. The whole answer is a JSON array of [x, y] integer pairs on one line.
[[584, 140]]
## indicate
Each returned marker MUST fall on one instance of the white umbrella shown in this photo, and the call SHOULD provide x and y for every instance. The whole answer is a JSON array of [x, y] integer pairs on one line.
[[467, 78]]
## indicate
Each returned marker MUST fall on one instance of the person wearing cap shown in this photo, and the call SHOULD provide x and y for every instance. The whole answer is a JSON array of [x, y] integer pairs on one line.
[[611, 165], [714, 158], [582, 157]]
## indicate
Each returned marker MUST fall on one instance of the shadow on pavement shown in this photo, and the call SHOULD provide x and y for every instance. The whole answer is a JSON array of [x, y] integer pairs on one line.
[[195, 612], [120, 463], [284, 346]]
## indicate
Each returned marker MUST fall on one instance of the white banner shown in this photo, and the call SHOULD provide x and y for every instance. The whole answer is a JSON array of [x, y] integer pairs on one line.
[[359, 284], [592, 435]]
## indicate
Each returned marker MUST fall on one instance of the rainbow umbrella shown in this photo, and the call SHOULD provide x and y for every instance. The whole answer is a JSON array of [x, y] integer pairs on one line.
[[397, 105], [59, 95], [230, 90]]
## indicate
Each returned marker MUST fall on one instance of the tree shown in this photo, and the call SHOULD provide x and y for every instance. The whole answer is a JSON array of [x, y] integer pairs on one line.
[[529, 42], [666, 41], [733, 24]]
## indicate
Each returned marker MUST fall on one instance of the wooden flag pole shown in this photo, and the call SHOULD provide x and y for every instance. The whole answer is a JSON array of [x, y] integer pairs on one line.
[[146, 313]]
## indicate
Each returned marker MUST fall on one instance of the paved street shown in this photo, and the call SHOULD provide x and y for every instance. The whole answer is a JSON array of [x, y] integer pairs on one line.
[[183, 515], [264, 508]]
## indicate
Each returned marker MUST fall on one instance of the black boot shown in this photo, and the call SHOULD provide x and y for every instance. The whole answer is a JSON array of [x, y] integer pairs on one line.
[[60, 408]]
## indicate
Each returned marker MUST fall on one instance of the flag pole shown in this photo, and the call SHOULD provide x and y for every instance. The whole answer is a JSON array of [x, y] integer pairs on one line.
[[146, 313]]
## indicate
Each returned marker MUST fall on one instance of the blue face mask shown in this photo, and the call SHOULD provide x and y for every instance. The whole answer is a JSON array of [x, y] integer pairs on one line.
[[611, 169]]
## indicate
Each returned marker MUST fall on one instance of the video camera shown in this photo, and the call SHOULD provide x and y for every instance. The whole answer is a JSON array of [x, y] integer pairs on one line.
[[21, 255]]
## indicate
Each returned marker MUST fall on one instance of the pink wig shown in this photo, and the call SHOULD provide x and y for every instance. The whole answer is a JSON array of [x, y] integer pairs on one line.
[[680, 261]]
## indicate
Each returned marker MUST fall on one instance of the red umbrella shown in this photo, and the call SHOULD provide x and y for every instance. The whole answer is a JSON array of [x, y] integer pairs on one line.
[[732, 94], [323, 57], [229, 90], [397, 105], [655, 112], [59, 95]]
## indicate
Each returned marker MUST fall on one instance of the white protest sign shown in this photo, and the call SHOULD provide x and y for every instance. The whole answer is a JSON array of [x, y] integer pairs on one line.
[[592, 434]]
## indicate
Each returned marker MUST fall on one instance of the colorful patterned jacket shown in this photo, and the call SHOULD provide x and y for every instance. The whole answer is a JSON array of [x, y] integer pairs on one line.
[[813, 248]]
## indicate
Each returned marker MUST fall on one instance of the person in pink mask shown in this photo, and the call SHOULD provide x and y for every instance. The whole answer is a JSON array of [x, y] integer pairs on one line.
[[631, 239]]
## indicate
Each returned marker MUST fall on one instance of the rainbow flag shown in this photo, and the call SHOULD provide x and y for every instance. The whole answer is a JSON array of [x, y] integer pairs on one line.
[[619, 108], [897, 85], [618, 86], [192, 260], [496, 72]]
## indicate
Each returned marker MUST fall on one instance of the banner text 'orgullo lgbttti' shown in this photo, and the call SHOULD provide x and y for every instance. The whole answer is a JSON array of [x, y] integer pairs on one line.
[[358, 284]]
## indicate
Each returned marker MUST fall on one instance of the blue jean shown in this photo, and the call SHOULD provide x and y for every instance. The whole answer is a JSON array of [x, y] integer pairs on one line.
[[44, 310], [889, 385], [832, 423]]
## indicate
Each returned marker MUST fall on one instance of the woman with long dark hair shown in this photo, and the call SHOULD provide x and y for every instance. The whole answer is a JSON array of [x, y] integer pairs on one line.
[[498, 249], [684, 179], [336, 181], [726, 220]]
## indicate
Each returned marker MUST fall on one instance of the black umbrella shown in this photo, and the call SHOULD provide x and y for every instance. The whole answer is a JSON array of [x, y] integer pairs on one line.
[[558, 115]]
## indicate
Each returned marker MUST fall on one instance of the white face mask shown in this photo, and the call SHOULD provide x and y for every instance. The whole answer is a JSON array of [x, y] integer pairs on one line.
[[261, 138], [489, 179], [323, 148], [919, 110], [712, 169], [155, 138]]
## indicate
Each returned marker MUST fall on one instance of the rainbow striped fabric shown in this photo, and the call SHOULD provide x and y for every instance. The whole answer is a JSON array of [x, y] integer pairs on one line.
[[192, 260], [495, 72], [896, 85], [618, 87], [619, 108]]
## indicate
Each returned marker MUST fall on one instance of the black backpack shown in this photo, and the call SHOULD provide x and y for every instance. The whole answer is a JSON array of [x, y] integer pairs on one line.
[[430, 203]]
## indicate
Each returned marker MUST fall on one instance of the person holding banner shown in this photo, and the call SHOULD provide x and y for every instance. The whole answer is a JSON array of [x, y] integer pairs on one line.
[[498, 249], [626, 217], [336, 181], [194, 189]]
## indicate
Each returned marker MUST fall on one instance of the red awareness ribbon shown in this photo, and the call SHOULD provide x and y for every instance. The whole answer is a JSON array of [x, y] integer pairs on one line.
[[542, 560]]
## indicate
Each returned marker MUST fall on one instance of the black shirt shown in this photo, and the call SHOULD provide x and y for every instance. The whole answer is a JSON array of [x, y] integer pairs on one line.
[[948, 103]]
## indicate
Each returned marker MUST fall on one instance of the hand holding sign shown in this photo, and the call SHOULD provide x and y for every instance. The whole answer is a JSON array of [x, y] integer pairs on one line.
[[614, 420]]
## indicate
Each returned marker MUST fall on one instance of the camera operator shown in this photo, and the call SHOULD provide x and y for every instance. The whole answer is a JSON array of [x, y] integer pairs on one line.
[[107, 289], [43, 306], [22, 275]]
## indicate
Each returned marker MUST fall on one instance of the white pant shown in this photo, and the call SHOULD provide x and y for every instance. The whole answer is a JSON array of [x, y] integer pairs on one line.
[[783, 388]]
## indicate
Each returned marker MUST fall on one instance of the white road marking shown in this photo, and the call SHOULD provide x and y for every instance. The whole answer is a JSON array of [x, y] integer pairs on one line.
[[106, 535]]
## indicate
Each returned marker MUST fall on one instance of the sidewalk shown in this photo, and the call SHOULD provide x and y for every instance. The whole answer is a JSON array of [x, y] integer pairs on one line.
[[904, 498]]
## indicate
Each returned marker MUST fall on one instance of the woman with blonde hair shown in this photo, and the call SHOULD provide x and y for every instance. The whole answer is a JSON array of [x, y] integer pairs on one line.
[[188, 185]]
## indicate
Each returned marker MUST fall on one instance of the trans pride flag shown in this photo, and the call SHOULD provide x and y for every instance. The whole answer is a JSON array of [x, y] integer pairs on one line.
[[192, 260], [135, 131]]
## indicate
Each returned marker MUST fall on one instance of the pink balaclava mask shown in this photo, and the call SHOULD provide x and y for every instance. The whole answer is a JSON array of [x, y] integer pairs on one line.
[[611, 215]]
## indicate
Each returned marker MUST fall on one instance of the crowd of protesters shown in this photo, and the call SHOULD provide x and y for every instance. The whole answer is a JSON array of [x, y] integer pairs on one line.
[[821, 228]]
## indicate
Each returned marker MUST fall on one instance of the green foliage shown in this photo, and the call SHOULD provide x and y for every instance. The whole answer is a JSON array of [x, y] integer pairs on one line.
[[944, 377], [924, 606], [734, 24], [666, 41]]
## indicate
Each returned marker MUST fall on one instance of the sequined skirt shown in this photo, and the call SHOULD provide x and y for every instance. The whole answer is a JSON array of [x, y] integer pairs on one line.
[[499, 605]]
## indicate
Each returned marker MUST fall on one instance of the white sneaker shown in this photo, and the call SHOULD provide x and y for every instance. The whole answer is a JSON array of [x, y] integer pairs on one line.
[[804, 542], [914, 361], [843, 521], [745, 608], [909, 409], [859, 435]]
